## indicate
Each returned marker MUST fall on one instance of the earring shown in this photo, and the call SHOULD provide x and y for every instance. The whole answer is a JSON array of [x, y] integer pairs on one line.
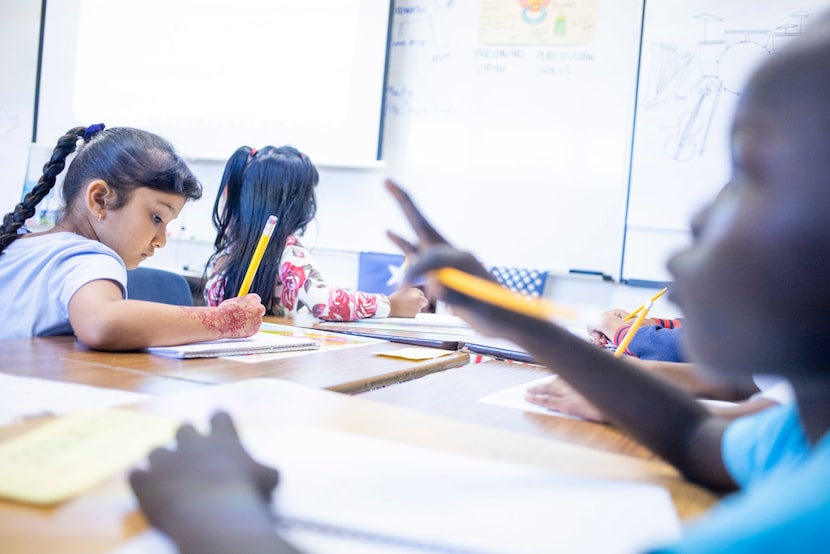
[[100, 217]]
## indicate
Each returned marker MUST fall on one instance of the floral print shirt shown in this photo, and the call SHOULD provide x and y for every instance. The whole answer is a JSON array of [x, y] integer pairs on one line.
[[300, 284]]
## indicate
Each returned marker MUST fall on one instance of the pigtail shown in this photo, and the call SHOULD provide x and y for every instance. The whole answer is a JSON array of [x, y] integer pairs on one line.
[[231, 185], [14, 220]]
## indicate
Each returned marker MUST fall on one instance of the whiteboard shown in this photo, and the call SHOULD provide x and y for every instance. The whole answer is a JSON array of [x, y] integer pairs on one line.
[[515, 141], [18, 43], [696, 58], [510, 126], [214, 75]]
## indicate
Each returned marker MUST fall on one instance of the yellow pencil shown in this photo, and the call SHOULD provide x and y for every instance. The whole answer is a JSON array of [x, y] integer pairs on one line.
[[653, 299], [493, 293], [633, 330], [258, 253]]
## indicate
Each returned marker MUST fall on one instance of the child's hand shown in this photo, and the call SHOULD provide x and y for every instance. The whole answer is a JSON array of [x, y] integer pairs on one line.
[[432, 251], [240, 317], [206, 480], [603, 331], [407, 302], [559, 396]]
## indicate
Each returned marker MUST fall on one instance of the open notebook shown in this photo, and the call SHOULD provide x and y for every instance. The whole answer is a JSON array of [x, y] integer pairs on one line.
[[259, 343], [341, 493]]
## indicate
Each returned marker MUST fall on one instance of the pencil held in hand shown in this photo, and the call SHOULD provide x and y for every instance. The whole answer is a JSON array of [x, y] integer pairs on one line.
[[653, 299], [267, 231], [641, 316], [495, 294]]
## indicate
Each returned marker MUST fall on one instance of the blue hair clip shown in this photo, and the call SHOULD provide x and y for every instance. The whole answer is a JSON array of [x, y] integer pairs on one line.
[[93, 130]]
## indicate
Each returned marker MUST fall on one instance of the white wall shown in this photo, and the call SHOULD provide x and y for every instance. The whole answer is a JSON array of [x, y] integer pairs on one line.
[[340, 189], [19, 24]]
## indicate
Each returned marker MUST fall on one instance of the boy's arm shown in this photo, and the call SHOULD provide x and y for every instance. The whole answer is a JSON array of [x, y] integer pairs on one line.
[[697, 381], [663, 417]]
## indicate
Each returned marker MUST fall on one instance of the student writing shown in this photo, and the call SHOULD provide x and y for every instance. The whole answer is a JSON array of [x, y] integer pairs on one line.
[[657, 339], [121, 190], [282, 181]]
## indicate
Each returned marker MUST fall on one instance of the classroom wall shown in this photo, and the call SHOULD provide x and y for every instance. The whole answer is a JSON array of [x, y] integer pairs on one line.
[[516, 143], [518, 150], [696, 58], [19, 23]]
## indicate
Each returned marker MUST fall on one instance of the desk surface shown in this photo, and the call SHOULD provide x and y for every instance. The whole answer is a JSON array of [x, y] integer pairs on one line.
[[454, 393], [350, 369], [107, 516]]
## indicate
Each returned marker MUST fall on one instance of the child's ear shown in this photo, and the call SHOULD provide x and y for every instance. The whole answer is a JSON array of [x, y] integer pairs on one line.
[[99, 196]]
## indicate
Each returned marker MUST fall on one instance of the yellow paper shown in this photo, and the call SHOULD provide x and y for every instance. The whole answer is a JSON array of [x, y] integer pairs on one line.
[[415, 353], [74, 453]]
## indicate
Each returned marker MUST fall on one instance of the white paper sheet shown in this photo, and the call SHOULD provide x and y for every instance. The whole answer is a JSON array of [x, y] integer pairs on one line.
[[25, 397], [445, 502]]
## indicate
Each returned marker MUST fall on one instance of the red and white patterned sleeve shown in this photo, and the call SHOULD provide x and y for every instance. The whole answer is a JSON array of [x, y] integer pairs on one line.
[[303, 284]]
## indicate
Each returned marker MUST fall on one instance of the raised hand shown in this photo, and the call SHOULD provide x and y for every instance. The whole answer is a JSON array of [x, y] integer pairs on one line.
[[432, 251]]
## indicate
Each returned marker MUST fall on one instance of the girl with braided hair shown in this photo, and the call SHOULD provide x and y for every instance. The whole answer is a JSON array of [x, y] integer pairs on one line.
[[121, 190]]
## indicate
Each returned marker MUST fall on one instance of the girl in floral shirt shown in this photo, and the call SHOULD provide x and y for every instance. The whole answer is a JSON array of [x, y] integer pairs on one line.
[[282, 181]]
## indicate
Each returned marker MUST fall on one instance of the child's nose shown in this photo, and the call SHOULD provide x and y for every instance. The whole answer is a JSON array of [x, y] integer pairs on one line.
[[160, 240]]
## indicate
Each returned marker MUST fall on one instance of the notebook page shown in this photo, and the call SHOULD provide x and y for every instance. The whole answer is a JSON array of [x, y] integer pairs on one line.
[[73, 453]]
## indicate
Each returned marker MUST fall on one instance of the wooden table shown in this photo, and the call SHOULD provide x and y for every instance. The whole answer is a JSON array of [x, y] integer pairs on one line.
[[455, 393], [350, 369], [107, 516]]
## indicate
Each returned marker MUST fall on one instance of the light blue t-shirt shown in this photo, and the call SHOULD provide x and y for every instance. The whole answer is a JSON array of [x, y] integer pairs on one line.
[[784, 504], [40, 274]]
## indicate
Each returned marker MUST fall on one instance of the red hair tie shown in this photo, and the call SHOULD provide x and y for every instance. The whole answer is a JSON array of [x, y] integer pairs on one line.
[[253, 152]]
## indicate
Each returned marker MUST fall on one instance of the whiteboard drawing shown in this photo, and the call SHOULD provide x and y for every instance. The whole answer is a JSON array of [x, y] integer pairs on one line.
[[543, 22], [534, 11], [415, 24], [725, 58], [423, 37]]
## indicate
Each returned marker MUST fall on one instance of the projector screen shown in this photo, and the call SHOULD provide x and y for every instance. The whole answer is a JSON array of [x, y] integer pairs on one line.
[[213, 75]]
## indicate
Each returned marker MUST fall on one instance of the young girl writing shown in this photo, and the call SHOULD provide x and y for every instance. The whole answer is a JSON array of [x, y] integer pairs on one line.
[[121, 190], [282, 181]]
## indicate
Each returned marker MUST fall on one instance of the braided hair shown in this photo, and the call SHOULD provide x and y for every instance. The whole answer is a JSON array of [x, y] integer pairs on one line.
[[124, 157]]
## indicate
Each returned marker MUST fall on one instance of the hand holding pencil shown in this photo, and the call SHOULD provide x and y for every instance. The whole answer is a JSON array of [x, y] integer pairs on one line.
[[464, 282], [651, 301], [603, 330], [605, 333]]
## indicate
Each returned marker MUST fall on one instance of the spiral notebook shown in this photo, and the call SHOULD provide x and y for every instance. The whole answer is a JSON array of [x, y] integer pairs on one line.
[[259, 343]]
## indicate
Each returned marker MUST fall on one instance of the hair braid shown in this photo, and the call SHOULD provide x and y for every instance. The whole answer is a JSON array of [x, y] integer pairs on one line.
[[14, 220]]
